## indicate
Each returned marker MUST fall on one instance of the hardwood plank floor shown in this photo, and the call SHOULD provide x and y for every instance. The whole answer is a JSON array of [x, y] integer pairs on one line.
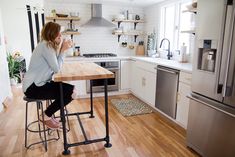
[[149, 135]]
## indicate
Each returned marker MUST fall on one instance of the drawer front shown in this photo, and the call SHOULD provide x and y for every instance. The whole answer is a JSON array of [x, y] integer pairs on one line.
[[146, 66], [185, 78]]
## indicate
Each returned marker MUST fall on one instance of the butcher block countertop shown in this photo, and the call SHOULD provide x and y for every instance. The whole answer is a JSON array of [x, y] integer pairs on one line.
[[81, 71]]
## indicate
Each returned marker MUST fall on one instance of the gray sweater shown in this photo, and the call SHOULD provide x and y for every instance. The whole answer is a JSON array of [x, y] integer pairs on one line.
[[43, 64]]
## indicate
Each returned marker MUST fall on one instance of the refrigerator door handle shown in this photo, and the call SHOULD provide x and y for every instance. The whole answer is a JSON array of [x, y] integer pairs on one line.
[[228, 81], [226, 47], [223, 46]]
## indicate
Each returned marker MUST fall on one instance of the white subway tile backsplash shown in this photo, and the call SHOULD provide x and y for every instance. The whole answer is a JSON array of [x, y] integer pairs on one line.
[[96, 39]]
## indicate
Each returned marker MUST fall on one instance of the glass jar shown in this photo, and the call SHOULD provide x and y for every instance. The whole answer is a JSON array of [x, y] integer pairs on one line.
[[77, 51]]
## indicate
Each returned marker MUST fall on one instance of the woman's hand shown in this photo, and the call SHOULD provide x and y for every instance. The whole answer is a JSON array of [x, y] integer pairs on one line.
[[66, 44]]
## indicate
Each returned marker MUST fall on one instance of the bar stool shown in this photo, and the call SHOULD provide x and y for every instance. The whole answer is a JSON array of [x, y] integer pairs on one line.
[[40, 130]]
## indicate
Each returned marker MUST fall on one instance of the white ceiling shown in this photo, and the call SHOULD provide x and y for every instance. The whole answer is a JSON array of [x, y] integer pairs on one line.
[[139, 3]]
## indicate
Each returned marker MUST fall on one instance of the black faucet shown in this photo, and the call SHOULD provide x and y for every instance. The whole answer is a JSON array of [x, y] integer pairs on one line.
[[169, 55]]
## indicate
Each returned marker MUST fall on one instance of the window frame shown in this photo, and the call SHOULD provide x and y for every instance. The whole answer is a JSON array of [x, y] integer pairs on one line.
[[177, 25]]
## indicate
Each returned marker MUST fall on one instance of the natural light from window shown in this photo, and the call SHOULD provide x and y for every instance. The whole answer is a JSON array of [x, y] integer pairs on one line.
[[178, 26]]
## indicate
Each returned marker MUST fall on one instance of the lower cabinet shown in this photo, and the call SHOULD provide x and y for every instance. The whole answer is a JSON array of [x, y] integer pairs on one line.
[[125, 75], [143, 81], [80, 87], [183, 101]]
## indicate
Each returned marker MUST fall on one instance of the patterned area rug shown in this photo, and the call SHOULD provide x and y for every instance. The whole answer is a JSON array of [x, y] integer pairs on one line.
[[131, 106]]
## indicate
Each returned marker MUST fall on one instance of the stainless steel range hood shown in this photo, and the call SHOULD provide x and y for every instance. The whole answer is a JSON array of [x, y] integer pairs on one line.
[[96, 18]]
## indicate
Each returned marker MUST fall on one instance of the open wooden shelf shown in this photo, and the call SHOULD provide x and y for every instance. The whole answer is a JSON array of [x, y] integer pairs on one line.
[[70, 19], [71, 33], [128, 33], [130, 21], [194, 10], [188, 31], [63, 18]]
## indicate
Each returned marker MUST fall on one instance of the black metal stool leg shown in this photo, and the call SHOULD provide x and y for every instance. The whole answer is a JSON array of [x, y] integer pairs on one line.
[[44, 128], [39, 126], [26, 124]]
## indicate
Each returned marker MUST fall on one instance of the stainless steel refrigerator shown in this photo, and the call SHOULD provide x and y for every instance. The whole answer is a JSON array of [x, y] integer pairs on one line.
[[211, 121]]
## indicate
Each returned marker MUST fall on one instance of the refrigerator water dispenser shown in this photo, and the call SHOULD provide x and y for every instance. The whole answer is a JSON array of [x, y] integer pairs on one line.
[[207, 57]]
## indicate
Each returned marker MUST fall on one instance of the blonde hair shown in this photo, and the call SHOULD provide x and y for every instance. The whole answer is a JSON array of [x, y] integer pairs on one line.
[[49, 33]]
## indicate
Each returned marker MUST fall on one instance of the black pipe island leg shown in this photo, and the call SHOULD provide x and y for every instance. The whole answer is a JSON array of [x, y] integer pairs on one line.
[[107, 139], [91, 99], [66, 150]]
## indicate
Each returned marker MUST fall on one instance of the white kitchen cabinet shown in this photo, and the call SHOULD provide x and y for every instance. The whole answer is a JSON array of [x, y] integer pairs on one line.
[[183, 101], [80, 87], [125, 75], [135, 79], [150, 88], [143, 81]]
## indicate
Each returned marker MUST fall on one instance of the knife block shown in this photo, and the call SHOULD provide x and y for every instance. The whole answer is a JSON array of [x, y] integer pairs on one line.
[[139, 50]]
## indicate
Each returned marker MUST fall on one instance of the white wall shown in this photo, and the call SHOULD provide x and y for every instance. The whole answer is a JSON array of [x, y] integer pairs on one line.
[[16, 27], [95, 39], [5, 89]]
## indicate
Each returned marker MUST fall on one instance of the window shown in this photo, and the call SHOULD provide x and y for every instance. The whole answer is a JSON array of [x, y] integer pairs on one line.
[[175, 25]]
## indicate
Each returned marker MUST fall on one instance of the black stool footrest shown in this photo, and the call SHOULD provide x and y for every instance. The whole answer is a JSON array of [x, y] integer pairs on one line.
[[36, 131], [41, 128]]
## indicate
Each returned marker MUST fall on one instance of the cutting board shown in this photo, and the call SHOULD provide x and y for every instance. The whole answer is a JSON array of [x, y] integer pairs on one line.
[[139, 50]]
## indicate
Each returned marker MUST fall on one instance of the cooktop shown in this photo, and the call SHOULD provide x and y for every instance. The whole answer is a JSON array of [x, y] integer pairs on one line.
[[99, 55]]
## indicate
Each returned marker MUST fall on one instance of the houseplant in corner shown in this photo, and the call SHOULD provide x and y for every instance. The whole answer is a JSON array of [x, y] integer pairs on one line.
[[13, 67]]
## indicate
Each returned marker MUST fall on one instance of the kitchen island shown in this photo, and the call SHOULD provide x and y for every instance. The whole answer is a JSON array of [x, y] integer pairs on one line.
[[83, 71]]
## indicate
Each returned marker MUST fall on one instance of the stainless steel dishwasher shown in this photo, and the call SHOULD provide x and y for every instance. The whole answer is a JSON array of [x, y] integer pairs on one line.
[[166, 90]]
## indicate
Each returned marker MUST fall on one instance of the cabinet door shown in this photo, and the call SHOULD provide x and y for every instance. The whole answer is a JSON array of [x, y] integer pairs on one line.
[[80, 87], [183, 104], [136, 79], [125, 74], [150, 88]]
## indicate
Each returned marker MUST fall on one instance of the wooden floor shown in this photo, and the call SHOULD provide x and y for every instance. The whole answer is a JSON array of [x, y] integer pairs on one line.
[[149, 135]]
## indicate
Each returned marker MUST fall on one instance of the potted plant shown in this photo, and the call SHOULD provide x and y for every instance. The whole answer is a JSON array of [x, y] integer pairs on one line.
[[13, 67]]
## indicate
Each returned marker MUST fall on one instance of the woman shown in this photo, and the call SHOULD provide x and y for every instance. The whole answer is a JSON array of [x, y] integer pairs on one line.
[[46, 60]]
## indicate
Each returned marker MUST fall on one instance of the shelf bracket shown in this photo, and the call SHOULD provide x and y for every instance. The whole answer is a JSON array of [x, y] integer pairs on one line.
[[119, 23], [135, 37], [135, 23], [119, 37]]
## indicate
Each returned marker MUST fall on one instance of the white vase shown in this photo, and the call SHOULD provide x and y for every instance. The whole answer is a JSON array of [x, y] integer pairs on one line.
[[13, 81]]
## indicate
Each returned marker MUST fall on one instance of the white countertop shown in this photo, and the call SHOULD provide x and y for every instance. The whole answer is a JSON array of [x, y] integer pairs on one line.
[[187, 67]]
